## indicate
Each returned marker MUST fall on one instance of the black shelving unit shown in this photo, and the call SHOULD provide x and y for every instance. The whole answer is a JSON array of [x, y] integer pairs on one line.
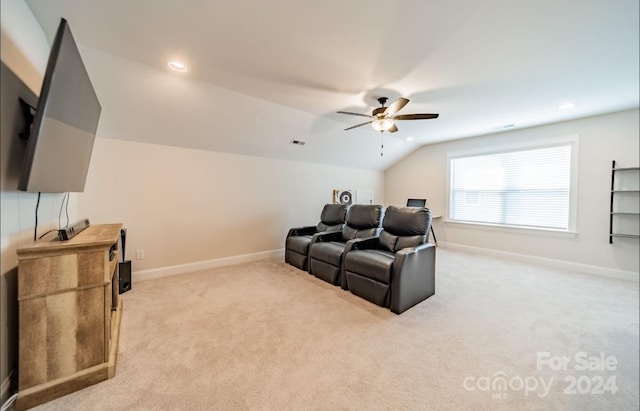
[[617, 193]]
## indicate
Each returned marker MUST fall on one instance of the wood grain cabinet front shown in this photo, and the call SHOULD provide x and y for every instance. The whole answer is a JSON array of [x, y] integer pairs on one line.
[[69, 314]]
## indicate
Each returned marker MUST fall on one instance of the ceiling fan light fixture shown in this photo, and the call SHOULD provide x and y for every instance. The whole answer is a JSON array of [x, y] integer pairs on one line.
[[177, 66], [383, 117], [382, 124]]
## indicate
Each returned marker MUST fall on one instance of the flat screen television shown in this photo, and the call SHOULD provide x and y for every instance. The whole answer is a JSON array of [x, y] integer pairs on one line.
[[62, 135], [416, 202]]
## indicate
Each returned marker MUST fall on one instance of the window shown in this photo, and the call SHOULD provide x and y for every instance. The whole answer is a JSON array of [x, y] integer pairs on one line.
[[526, 188]]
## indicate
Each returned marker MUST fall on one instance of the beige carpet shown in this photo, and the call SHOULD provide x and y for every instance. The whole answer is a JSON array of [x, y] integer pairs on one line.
[[266, 336]]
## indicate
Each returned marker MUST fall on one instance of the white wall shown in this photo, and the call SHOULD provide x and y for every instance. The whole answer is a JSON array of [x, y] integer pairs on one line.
[[23, 44], [180, 205], [185, 205], [601, 140], [24, 49]]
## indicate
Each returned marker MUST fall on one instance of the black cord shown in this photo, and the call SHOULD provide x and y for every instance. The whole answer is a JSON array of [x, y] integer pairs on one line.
[[35, 229], [50, 231]]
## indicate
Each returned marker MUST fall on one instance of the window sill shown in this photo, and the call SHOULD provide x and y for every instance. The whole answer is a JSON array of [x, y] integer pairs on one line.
[[513, 228]]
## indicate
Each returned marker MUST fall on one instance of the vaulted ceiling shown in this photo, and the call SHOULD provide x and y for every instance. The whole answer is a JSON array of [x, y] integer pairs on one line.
[[261, 73]]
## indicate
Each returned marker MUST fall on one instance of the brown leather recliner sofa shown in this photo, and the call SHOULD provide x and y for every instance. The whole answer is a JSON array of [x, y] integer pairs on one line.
[[397, 268], [299, 238], [327, 249], [380, 255]]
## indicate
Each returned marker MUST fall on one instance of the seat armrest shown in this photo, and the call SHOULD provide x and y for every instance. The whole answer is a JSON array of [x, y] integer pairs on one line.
[[414, 277], [366, 243], [327, 236], [306, 230]]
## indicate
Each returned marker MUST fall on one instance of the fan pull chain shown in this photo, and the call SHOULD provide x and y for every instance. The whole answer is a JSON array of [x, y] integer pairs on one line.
[[381, 143]]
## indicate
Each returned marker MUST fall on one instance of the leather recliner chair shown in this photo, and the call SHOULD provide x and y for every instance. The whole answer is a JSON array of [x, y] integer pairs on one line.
[[326, 251], [299, 238], [396, 269]]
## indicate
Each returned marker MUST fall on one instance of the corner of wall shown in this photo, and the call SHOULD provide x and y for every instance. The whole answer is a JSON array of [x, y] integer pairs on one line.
[[24, 47]]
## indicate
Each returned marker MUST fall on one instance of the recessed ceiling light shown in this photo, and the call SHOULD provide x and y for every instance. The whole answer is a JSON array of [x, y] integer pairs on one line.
[[567, 105], [410, 139], [177, 66]]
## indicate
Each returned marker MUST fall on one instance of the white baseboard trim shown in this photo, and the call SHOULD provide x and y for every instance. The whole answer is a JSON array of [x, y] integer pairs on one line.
[[153, 273], [549, 262]]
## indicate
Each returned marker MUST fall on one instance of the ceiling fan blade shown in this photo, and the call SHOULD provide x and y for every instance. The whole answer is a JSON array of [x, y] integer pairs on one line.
[[358, 125], [415, 117], [353, 114], [393, 129], [395, 107]]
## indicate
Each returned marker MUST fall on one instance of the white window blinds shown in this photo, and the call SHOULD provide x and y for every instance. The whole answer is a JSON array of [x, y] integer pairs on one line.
[[529, 188]]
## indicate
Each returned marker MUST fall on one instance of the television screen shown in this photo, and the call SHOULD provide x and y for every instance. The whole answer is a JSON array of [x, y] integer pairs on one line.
[[416, 202], [65, 123]]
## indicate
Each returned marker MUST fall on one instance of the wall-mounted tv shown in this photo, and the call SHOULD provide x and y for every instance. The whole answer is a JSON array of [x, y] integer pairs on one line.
[[417, 202], [64, 126]]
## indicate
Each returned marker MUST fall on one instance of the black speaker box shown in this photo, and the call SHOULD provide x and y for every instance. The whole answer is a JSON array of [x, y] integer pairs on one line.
[[124, 269]]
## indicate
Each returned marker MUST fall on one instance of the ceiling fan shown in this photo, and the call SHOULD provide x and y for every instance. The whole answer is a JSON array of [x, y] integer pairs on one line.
[[383, 117]]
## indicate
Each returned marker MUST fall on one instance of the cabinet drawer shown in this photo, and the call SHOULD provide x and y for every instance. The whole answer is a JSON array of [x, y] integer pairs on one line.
[[55, 273]]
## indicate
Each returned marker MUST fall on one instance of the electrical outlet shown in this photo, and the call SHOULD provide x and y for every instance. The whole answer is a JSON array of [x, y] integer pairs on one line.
[[139, 254]]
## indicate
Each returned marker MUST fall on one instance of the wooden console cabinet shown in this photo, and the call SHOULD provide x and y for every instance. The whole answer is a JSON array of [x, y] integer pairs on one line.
[[69, 313]]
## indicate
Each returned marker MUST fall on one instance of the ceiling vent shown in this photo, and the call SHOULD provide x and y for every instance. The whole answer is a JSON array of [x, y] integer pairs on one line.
[[298, 142]]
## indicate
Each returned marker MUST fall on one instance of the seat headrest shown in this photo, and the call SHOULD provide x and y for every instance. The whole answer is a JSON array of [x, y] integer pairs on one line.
[[333, 214], [406, 221], [364, 216]]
